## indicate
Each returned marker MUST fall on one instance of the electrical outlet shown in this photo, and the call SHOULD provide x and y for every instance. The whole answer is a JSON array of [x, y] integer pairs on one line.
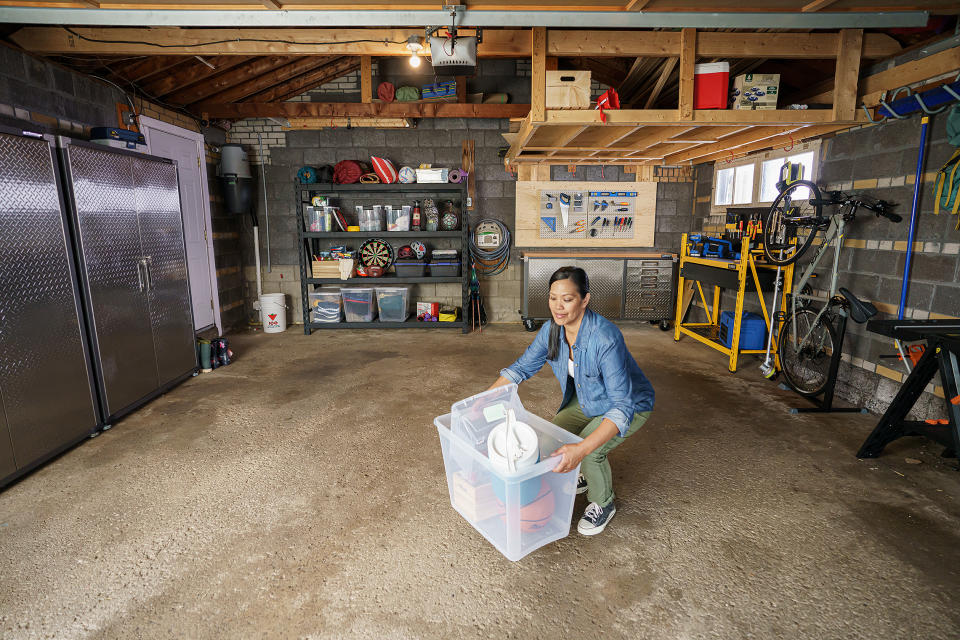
[[469, 201], [130, 117]]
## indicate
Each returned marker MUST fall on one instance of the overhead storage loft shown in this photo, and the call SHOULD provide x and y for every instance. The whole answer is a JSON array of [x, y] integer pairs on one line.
[[686, 135]]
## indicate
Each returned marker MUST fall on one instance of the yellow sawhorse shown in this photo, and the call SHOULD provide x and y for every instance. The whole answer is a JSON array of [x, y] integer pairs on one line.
[[726, 274]]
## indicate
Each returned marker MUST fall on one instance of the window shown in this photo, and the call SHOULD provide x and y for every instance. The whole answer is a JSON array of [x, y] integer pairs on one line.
[[770, 174], [752, 181], [734, 185]]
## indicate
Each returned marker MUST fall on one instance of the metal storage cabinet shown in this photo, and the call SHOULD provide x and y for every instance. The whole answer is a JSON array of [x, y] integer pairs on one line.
[[129, 234], [46, 394], [629, 286]]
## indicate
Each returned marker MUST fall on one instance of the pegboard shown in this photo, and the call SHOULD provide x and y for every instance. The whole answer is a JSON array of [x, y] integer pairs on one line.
[[585, 214]]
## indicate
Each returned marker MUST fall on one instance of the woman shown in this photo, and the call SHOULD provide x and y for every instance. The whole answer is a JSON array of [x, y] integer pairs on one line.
[[606, 397]]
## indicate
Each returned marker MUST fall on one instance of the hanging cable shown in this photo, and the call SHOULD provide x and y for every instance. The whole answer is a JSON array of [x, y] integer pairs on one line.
[[226, 41], [494, 261]]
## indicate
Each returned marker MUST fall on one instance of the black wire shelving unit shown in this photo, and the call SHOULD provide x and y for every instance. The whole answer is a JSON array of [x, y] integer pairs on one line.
[[304, 193]]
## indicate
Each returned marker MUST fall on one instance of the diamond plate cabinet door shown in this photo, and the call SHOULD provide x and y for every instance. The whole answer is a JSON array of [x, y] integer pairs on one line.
[[536, 285], [105, 211], [161, 231], [8, 465], [606, 284], [45, 381]]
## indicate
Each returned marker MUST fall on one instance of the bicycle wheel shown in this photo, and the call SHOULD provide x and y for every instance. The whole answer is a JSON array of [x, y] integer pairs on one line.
[[806, 362], [796, 208]]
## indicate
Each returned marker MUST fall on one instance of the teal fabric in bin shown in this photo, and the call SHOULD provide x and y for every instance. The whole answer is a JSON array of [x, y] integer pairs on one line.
[[393, 303]]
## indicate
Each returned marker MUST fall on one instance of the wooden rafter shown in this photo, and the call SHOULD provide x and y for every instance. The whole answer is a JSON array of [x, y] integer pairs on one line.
[[239, 110], [816, 5], [307, 81], [142, 69], [688, 58], [636, 5], [668, 66], [190, 74], [272, 4], [221, 81], [245, 89]]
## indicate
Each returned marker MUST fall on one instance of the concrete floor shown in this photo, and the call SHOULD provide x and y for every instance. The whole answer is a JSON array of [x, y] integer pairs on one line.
[[300, 493]]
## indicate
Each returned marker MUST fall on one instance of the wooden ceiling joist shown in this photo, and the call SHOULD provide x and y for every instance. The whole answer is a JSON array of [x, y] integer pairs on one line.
[[189, 75], [241, 90], [221, 81], [497, 43], [239, 110], [148, 67], [310, 80]]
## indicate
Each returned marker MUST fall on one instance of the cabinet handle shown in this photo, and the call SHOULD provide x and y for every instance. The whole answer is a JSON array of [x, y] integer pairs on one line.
[[140, 274], [146, 266]]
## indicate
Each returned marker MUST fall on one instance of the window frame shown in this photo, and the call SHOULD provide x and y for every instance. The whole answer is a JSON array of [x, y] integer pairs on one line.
[[757, 160]]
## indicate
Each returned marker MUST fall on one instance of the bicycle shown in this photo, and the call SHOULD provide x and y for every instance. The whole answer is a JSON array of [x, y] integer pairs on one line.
[[810, 342]]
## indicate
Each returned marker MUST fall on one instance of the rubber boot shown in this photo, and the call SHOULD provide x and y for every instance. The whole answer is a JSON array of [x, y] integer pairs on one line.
[[205, 364]]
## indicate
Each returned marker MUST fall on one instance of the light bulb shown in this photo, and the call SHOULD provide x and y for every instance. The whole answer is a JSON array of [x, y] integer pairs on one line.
[[414, 60]]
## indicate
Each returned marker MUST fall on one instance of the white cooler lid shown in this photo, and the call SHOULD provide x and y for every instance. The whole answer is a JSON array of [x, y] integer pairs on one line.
[[712, 67]]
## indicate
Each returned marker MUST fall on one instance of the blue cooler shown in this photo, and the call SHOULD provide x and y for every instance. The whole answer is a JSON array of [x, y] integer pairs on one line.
[[753, 331]]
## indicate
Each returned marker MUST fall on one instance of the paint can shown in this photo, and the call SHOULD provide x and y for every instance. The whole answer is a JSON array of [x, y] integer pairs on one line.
[[273, 312]]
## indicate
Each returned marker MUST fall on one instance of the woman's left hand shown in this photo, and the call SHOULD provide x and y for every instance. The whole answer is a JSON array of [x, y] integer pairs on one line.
[[572, 454]]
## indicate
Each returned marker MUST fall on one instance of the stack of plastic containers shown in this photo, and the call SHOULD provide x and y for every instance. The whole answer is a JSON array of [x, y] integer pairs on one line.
[[504, 486]]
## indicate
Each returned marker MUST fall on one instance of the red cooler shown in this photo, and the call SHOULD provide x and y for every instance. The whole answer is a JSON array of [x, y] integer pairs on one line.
[[711, 85]]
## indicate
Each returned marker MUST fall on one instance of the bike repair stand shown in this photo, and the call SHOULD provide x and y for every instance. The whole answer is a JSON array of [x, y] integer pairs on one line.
[[825, 404]]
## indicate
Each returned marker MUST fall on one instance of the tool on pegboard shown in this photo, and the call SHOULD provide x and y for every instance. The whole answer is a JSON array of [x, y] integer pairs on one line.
[[550, 222]]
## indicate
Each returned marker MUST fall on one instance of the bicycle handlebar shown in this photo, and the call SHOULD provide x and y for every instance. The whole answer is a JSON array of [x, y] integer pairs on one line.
[[880, 207]]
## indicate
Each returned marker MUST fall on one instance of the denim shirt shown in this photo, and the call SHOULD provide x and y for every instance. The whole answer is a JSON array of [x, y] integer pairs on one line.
[[608, 380]]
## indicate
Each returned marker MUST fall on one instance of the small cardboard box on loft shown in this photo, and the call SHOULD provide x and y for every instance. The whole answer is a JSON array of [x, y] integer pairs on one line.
[[756, 91], [568, 90]]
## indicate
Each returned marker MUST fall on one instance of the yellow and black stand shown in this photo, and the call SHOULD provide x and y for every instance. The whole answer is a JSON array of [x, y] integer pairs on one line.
[[743, 275]]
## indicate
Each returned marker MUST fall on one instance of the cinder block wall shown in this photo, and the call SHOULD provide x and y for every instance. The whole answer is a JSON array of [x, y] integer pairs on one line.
[[880, 160], [437, 141], [43, 96]]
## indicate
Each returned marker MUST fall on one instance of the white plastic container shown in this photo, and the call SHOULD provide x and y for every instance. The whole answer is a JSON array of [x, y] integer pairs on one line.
[[273, 312], [537, 504]]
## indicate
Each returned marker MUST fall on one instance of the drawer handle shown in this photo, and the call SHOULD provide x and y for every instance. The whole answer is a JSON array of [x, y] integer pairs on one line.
[[649, 272], [648, 285], [650, 263], [648, 294]]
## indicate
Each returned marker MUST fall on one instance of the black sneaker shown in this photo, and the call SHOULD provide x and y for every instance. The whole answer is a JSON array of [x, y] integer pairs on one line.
[[595, 518], [581, 484]]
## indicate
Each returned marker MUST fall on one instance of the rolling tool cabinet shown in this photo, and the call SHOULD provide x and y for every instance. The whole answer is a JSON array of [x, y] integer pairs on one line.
[[624, 285]]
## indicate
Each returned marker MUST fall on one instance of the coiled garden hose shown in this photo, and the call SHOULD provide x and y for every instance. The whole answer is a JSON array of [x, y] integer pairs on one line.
[[495, 261]]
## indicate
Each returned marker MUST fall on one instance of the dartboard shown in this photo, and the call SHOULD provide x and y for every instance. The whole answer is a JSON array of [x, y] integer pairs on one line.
[[376, 253]]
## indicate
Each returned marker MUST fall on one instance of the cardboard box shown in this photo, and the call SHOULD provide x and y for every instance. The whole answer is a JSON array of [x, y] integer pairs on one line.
[[756, 91], [568, 90], [433, 308]]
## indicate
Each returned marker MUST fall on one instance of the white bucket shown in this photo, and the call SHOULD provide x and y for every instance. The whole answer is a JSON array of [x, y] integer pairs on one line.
[[273, 312]]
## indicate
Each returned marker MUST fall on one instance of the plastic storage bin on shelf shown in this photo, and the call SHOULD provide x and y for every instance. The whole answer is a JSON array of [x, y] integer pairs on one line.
[[325, 305], [410, 268], [359, 304], [516, 511], [753, 330], [445, 268], [393, 303]]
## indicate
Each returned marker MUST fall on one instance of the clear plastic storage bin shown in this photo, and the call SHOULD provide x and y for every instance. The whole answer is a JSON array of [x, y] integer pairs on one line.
[[393, 303], [517, 512], [325, 305], [359, 304]]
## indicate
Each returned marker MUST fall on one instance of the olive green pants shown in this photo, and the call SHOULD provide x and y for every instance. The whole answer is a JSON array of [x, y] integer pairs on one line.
[[595, 467]]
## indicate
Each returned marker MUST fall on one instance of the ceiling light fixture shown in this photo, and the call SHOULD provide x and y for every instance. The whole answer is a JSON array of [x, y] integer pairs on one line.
[[415, 45]]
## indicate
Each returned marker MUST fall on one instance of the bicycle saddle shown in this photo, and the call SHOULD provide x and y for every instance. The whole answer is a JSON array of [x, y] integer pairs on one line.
[[860, 311]]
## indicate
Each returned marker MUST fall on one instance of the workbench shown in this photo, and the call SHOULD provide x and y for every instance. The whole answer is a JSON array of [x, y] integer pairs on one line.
[[748, 273], [627, 285], [941, 352]]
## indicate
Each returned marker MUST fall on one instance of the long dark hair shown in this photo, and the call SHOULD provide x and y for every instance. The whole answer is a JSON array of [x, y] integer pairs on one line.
[[582, 282]]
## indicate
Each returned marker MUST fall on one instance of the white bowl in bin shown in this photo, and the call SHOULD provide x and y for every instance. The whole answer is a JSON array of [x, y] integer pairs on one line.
[[515, 524]]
